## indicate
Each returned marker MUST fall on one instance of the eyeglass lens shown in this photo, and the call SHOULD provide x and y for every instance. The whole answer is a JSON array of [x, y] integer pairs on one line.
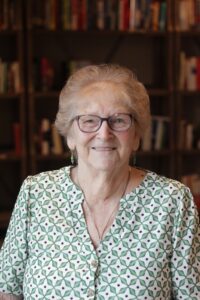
[[91, 123]]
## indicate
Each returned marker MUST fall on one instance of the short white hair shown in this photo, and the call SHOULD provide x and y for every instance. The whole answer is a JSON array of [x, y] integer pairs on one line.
[[86, 76]]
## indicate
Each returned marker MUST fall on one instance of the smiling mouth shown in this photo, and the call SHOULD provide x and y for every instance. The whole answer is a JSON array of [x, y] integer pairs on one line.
[[104, 148]]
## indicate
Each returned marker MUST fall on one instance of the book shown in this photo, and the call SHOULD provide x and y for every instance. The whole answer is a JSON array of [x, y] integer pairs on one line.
[[74, 14], [82, 18], [163, 16], [45, 137], [132, 15], [191, 73], [17, 138], [100, 14], [189, 138], [46, 74], [66, 14], [157, 135], [15, 70], [155, 9]]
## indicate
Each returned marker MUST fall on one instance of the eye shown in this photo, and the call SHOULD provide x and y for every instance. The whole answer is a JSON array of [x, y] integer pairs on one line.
[[118, 120], [88, 121]]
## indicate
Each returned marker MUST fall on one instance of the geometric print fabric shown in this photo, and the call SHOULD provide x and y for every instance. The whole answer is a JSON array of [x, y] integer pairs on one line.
[[145, 255]]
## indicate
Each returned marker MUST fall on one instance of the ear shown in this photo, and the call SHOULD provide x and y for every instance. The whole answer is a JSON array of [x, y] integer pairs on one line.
[[136, 142], [71, 143], [70, 140]]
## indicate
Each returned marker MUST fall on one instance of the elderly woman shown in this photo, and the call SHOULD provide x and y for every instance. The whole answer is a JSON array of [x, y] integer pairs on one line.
[[100, 229]]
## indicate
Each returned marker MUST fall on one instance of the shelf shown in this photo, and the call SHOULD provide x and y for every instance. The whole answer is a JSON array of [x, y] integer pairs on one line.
[[158, 92], [189, 152], [8, 156], [155, 153], [10, 96], [149, 33], [189, 93], [10, 32], [52, 157], [188, 33], [48, 94]]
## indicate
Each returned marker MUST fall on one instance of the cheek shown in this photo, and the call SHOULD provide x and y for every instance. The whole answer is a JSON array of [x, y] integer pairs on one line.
[[78, 140], [131, 140]]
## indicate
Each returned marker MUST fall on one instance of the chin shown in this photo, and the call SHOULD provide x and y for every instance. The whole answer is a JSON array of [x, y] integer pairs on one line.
[[105, 165]]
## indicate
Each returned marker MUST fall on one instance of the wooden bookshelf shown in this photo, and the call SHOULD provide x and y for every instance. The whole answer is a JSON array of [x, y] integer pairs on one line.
[[187, 91], [133, 47], [12, 107], [154, 54]]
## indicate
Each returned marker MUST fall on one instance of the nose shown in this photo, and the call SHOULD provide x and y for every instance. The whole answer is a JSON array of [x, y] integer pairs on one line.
[[104, 131]]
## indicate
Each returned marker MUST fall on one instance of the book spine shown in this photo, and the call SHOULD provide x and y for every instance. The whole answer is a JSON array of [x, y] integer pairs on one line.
[[17, 138], [132, 15], [126, 16], [74, 14], [191, 75], [16, 76], [45, 137], [163, 16], [155, 8], [113, 13], [189, 136], [100, 19], [83, 15]]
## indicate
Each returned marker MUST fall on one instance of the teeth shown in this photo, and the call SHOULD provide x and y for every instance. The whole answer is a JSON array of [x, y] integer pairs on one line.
[[104, 148]]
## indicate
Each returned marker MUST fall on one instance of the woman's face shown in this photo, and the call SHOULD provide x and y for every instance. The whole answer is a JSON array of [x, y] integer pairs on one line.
[[104, 149]]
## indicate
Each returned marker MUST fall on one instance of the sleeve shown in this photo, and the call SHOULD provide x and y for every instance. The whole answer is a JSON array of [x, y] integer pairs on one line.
[[185, 262], [13, 254]]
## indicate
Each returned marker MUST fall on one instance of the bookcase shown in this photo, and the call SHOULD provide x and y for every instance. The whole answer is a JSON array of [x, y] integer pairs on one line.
[[12, 107], [70, 37], [48, 40], [187, 92]]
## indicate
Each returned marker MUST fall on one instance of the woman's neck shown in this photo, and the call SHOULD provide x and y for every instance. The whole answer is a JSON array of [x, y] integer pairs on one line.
[[101, 186]]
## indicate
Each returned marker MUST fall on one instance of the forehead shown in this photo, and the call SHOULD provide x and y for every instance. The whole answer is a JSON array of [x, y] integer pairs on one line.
[[102, 94]]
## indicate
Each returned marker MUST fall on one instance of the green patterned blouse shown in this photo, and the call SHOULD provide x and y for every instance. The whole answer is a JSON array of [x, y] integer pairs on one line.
[[152, 250]]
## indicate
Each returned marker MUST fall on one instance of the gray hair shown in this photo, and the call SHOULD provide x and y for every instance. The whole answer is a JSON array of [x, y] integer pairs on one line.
[[133, 91]]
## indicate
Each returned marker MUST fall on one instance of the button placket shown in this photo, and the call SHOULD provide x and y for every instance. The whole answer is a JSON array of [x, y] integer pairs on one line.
[[90, 293]]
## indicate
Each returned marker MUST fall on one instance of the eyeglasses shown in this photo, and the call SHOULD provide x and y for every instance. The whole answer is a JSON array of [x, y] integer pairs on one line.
[[92, 123]]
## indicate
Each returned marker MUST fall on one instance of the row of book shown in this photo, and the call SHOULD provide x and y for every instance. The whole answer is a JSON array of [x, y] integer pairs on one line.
[[8, 17], [100, 14], [193, 182], [157, 135], [9, 77], [48, 140], [189, 77], [188, 14], [45, 77], [189, 135]]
